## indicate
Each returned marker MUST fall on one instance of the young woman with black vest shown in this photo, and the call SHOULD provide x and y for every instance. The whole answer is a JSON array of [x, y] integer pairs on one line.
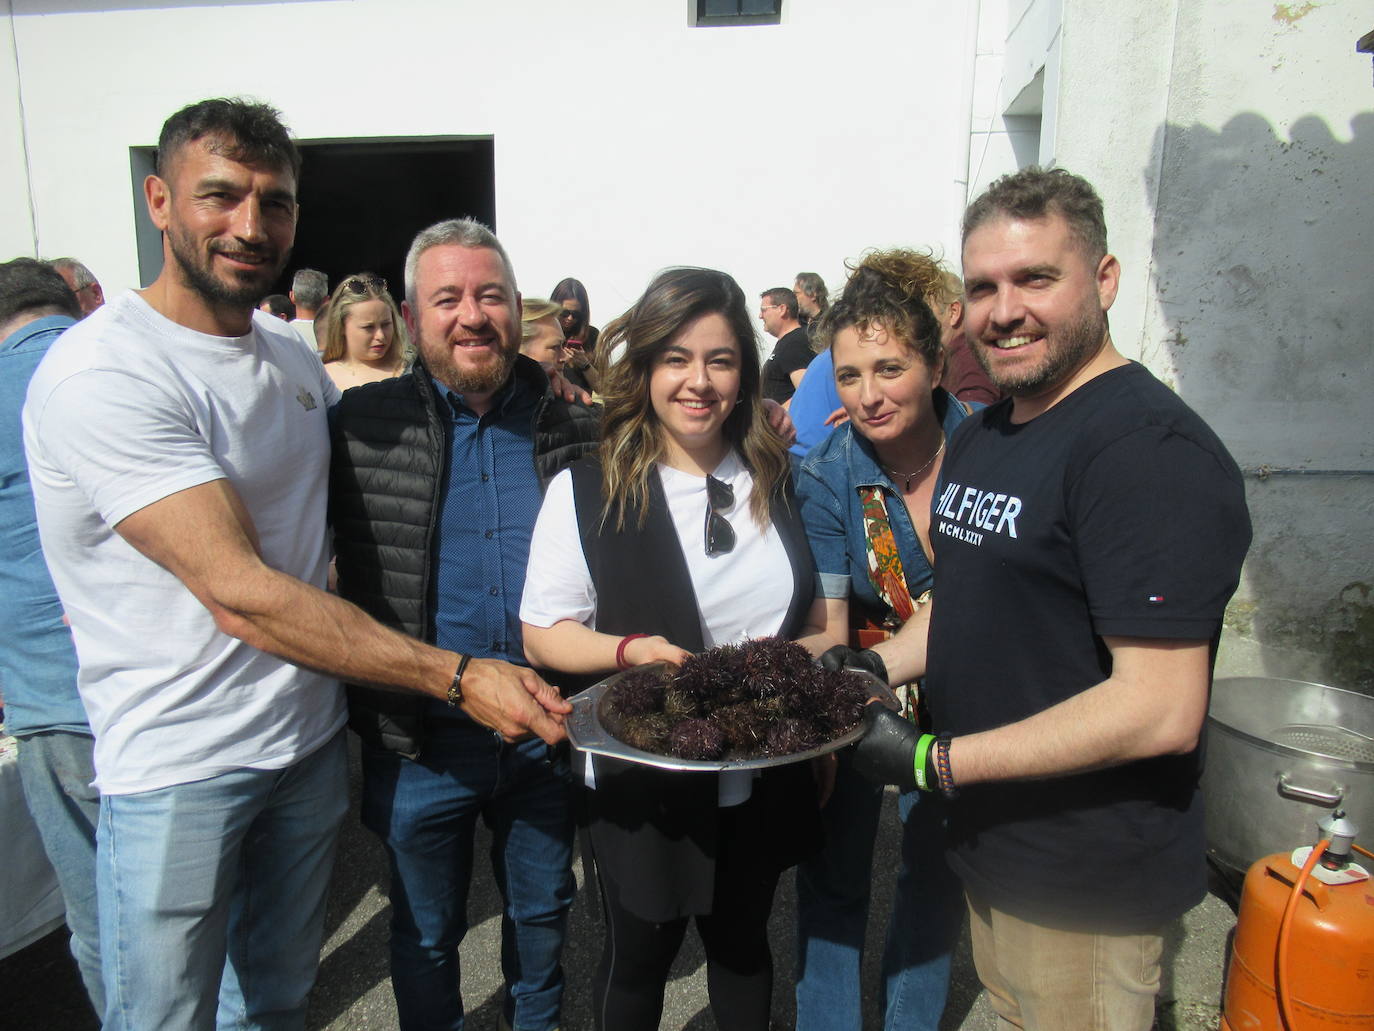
[[683, 535]]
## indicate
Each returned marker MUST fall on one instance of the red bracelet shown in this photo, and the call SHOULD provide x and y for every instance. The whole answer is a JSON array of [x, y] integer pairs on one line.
[[620, 662]]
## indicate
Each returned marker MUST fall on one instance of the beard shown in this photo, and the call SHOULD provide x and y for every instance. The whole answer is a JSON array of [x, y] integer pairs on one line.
[[247, 286], [439, 361], [1066, 351]]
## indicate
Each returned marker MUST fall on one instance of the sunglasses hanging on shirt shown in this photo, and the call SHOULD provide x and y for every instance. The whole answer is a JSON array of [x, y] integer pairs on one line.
[[720, 535]]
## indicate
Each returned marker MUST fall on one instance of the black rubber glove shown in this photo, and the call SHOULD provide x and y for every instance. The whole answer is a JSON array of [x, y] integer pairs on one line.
[[840, 656], [886, 753]]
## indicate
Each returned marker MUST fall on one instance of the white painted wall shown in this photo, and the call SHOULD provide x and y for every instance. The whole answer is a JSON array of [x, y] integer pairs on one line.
[[1016, 82], [763, 151]]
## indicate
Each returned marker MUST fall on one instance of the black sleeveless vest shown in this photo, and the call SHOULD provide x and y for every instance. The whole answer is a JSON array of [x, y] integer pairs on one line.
[[656, 834]]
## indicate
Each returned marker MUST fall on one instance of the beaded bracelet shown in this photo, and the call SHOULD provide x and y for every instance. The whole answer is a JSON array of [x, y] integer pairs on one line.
[[942, 767], [620, 662], [455, 689]]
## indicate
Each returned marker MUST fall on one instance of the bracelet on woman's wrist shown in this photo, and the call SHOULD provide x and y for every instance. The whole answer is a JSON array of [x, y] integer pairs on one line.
[[620, 662]]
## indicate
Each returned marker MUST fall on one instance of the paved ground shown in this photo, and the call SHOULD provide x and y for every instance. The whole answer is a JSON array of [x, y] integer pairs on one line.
[[39, 989]]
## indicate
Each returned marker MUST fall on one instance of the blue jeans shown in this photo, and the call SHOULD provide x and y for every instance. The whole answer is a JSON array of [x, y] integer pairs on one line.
[[232, 868], [426, 811], [56, 770], [832, 913]]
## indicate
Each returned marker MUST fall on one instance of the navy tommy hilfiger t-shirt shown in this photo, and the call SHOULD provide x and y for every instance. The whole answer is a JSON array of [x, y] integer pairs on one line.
[[1117, 512]]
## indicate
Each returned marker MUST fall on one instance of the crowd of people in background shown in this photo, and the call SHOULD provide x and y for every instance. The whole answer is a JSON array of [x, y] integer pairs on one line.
[[241, 521]]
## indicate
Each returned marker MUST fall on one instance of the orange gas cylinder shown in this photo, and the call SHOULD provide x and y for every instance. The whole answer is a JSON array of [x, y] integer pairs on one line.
[[1328, 972]]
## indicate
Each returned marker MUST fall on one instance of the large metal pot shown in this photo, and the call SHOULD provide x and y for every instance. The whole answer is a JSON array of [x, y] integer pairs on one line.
[[1281, 754]]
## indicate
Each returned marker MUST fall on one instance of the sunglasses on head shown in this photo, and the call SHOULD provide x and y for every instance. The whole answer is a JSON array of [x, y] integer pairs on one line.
[[364, 284], [720, 535]]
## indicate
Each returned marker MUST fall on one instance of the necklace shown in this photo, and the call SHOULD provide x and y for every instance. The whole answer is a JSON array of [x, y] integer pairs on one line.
[[908, 477]]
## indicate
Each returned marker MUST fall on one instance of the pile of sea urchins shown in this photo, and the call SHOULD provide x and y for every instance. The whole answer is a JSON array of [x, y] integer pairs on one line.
[[759, 699]]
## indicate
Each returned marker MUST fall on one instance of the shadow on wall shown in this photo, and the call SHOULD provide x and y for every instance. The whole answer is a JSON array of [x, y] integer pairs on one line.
[[1261, 267]]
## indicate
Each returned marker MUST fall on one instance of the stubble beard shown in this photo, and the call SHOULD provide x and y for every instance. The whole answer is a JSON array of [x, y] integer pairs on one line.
[[1068, 349], [196, 274]]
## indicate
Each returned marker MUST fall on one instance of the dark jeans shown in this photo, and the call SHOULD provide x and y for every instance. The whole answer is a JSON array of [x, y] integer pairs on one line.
[[426, 811]]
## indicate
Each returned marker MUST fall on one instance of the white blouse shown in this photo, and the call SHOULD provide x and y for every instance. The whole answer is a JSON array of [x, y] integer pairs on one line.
[[741, 594]]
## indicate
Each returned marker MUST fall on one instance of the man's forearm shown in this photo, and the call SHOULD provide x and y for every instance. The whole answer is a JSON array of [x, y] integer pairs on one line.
[[204, 537], [310, 627], [283, 616], [904, 653], [1153, 704]]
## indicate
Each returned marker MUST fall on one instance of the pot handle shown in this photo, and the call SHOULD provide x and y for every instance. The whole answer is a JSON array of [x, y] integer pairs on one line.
[[1331, 798]]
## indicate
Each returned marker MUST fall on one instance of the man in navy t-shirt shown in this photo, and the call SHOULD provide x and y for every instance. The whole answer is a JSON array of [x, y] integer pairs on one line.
[[1088, 533]]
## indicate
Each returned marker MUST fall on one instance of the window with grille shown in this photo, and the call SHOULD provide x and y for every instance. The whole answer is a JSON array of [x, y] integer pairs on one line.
[[736, 12]]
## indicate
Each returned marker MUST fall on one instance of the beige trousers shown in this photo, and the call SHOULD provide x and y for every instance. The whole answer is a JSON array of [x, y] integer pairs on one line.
[[1041, 979]]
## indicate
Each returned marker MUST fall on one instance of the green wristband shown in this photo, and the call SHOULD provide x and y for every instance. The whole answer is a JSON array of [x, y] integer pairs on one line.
[[923, 746]]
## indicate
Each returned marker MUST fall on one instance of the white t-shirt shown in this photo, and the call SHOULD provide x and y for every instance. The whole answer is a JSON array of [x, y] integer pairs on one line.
[[741, 594], [305, 329], [128, 408]]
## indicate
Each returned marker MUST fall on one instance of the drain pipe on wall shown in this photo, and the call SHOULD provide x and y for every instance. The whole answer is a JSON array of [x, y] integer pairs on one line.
[[972, 19], [21, 119]]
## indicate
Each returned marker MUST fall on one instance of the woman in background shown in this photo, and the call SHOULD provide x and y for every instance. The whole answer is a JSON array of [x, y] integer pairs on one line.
[[682, 536], [866, 494], [577, 315], [362, 333], [541, 336]]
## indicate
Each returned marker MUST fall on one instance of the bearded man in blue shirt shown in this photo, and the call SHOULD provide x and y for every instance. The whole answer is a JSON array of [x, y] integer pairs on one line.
[[436, 482]]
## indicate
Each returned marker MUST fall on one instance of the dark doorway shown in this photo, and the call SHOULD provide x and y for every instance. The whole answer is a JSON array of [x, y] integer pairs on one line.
[[362, 202]]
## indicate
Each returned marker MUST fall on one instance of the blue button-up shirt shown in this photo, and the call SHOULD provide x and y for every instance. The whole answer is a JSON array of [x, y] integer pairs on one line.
[[37, 659], [487, 507]]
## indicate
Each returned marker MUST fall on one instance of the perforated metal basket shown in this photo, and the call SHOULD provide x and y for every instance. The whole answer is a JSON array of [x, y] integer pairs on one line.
[[587, 732], [1281, 754]]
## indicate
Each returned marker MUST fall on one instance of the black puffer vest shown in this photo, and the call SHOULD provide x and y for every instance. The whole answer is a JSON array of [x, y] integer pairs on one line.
[[385, 475]]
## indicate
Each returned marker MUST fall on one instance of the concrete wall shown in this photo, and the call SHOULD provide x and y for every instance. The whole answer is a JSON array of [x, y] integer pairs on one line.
[[1233, 143], [625, 140]]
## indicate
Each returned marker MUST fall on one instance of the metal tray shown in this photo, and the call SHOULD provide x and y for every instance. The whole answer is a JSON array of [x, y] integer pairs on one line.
[[586, 732]]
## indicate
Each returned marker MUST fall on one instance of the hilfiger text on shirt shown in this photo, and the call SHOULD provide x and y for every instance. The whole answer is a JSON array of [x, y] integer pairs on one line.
[[968, 512]]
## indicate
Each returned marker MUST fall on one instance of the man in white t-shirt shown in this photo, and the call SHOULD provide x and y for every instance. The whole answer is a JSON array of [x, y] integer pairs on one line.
[[309, 290], [179, 451]]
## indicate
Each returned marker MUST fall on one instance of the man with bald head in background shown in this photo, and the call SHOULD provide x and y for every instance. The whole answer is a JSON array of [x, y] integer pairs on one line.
[[82, 282]]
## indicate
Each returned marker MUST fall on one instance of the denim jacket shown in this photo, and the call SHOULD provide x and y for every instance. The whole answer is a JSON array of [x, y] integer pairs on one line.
[[832, 512]]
